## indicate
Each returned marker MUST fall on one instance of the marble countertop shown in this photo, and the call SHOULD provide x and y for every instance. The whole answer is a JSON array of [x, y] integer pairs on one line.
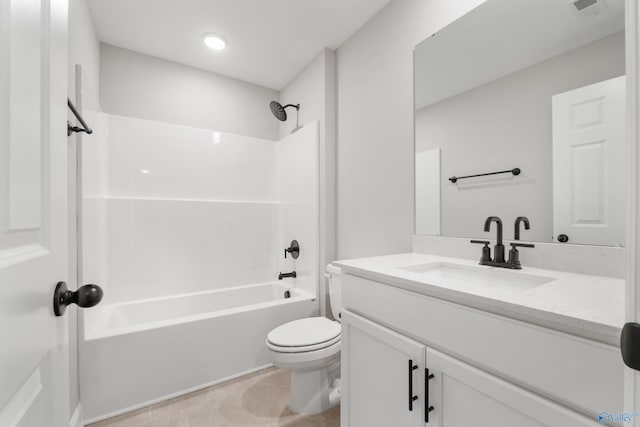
[[585, 305]]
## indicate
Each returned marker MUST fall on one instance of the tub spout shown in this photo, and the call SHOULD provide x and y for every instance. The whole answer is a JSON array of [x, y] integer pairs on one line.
[[283, 275]]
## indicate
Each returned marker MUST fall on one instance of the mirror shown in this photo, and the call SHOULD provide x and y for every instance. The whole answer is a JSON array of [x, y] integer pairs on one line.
[[520, 111]]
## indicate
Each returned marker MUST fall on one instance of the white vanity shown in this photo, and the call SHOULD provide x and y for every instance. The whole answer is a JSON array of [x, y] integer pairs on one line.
[[444, 341], [506, 130]]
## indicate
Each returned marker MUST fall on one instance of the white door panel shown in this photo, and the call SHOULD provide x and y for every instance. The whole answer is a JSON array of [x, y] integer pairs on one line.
[[32, 211], [464, 396], [589, 164], [375, 390]]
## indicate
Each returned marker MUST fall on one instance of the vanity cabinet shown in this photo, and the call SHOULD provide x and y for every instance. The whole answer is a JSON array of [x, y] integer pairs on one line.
[[488, 370], [462, 395], [385, 385], [392, 380]]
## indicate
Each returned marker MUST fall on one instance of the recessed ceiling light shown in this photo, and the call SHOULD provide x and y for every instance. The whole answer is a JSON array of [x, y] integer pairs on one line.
[[214, 41]]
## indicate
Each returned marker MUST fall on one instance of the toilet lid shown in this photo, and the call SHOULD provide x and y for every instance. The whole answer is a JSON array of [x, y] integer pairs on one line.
[[307, 348], [304, 332]]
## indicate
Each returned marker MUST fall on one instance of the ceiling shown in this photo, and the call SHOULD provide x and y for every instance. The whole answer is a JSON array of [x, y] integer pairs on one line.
[[500, 37], [269, 41]]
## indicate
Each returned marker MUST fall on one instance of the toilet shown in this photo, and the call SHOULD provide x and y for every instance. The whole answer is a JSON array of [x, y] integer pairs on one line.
[[310, 349]]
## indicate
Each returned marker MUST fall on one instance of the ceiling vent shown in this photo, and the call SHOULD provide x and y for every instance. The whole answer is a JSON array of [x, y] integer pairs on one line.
[[588, 7]]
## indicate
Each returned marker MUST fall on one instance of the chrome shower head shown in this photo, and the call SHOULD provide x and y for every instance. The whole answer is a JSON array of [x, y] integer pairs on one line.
[[279, 111]]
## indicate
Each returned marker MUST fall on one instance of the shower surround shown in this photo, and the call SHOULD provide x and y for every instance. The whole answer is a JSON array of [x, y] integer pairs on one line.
[[175, 215]]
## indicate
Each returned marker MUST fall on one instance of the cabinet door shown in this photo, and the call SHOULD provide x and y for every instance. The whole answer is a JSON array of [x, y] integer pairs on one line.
[[382, 376], [464, 396]]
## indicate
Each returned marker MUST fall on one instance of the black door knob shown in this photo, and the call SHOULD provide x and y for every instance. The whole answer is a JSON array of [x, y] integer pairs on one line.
[[563, 238], [85, 296], [630, 345]]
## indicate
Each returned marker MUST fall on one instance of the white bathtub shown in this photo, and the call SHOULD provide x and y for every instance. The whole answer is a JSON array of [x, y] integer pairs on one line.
[[142, 352]]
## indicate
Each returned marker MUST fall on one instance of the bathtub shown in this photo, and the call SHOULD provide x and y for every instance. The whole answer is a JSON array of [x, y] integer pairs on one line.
[[142, 352]]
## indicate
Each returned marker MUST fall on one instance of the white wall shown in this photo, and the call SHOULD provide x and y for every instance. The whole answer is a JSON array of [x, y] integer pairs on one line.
[[308, 88], [169, 247], [170, 209], [142, 86], [298, 216], [375, 125], [84, 50], [314, 88], [148, 159], [506, 124]]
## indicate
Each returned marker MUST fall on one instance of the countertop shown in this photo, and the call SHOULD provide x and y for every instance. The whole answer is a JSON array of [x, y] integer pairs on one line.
[[589, 306]]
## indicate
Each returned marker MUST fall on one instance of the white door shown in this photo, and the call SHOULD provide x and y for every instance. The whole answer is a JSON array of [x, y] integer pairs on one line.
[[464, 396], [632, 289], [385, 382], [33, 186], [589, 175]]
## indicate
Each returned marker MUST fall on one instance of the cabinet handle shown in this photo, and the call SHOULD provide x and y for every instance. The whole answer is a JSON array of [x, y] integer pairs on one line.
[[412, 398], [427, 377]]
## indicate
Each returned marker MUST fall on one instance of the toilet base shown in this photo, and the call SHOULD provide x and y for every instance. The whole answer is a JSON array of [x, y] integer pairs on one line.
[[316, 391]]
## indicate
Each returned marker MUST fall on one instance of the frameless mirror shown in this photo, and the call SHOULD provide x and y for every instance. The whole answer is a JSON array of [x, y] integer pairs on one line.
[[520, 111]]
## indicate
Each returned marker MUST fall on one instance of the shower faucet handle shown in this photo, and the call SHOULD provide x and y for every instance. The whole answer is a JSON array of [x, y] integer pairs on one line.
[[293, 249]]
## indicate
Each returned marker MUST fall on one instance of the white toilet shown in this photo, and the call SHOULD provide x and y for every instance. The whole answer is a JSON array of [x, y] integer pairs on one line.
[[310, 348]]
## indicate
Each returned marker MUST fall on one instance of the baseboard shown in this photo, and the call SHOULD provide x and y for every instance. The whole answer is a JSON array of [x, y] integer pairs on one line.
[[76, 418], [174, 395]]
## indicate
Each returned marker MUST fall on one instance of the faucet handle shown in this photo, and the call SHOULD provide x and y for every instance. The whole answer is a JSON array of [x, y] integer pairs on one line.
[[514, 255], [522, 245], [486, 250], [481, 242], [293, 249]]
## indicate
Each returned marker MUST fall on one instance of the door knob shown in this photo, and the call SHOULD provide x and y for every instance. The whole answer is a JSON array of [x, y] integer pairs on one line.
[[630, 345], [563, 238], [85, 296]]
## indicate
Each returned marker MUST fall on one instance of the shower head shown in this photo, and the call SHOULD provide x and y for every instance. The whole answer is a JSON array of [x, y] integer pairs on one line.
[[279, 111]]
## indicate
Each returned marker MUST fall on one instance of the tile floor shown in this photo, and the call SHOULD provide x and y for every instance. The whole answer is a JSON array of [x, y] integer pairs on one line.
[[259, 399]]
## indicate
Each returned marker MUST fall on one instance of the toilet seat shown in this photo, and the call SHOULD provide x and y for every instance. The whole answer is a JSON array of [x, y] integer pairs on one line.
[[303, 349], [304, 335], [306, 361]]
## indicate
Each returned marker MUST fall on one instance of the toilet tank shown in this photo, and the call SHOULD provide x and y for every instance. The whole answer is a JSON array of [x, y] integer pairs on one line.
[[334, 275]]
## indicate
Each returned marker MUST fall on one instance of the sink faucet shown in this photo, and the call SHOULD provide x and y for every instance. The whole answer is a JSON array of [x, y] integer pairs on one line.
[[516, 226], [498, 250], [514, 254]]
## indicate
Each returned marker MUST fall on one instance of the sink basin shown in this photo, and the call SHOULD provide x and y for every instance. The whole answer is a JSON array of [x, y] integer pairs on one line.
[[469, 277]]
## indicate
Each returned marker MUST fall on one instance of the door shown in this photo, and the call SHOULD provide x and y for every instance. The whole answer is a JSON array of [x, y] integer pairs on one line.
[[589, 175], [464, 396], [631, 347], [33, 186], [385, 376]]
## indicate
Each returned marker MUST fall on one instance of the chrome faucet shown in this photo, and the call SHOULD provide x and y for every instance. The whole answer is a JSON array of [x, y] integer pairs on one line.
[[498, 249]]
